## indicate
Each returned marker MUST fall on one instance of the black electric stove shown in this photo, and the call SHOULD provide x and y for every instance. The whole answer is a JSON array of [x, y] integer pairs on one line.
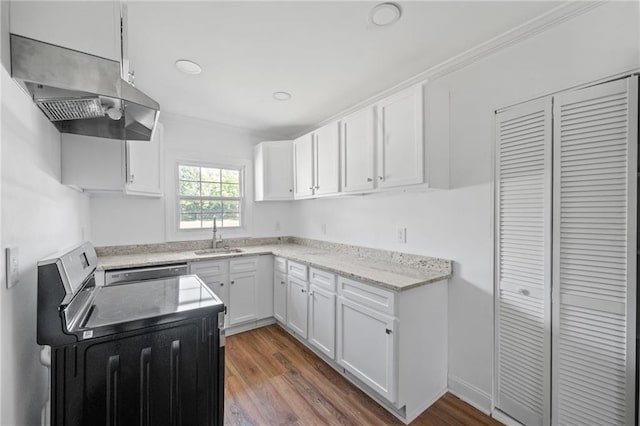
[[146, 353]]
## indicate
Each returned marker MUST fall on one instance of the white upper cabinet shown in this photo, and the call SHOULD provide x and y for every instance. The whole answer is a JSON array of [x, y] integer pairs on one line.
[[357, 151], [90, 27], [143, 161], [107, 165], [303, 166], [273, 170], [400, 138], [327, 165], [316, 162]]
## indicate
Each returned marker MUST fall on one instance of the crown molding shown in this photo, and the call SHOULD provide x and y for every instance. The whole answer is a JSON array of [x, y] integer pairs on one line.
[[537, 25]]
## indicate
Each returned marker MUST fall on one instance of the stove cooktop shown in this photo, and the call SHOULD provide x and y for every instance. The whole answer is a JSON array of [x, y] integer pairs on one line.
[[125, 303]]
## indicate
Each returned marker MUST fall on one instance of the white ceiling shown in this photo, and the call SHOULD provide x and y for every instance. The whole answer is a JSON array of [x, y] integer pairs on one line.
[[325, 53]]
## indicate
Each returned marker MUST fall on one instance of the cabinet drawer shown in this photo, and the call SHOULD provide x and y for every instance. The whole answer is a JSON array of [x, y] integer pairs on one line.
[[243, 265], [280, 264], [210, 268], [322, 279], [374, 297], [297, 270]]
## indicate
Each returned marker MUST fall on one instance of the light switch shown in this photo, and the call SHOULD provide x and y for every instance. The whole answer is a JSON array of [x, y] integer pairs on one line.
[[12, 266]]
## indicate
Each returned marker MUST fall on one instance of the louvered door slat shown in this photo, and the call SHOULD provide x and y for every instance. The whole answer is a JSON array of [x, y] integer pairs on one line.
[[594, 260], [523, 238]]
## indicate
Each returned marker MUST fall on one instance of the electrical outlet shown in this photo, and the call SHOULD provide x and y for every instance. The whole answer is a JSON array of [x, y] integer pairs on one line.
[[12, 266], [402, 235], [323, 228]]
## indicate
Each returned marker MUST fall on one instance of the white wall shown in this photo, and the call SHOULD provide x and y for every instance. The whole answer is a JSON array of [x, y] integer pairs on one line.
[[457, 224], [39, 217], [126, 220]]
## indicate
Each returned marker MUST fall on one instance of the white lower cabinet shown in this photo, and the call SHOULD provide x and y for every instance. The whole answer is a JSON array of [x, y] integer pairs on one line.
[[297, 306], [245, 286], [367, 347], [391, 344], [322, 320], [242, 297], [280, 297]]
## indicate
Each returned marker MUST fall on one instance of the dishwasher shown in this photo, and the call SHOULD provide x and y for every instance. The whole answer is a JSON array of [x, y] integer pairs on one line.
[[123, 276]]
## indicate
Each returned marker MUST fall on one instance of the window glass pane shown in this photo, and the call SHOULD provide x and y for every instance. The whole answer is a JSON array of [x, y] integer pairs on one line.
[[211, 206], [231, 206], [190, 206], [189, 172], [210, 175], [230, 190], [210, 189], [230, 176], [190, 188], [190, 221], [231, 219], [200, 193]]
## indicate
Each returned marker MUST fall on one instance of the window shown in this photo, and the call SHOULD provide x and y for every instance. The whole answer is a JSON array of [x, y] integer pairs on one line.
[[205, 193]]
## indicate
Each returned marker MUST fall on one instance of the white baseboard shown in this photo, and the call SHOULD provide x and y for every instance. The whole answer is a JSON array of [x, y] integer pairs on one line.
[[470, 394], [251, 325]]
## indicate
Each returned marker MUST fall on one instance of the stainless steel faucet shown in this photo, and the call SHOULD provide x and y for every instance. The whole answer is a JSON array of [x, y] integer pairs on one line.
[[215, 232]]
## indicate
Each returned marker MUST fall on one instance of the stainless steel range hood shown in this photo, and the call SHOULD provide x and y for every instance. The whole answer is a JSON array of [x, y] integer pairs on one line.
[[82, 93]]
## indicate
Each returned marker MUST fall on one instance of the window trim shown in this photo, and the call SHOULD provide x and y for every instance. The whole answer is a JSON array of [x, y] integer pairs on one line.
[[242, 199]]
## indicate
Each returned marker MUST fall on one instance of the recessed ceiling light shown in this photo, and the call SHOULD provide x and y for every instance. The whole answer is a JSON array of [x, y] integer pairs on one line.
[[281, 96], [188, 67], [385, 14]]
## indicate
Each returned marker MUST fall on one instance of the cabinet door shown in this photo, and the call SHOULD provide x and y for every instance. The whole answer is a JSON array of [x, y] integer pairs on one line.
[[322, 320], [523, 267], [143, 162], [357, 156], [242, 298], [93, 164], [280, 297], [276, 177], [89, 27], [303, 166], [367, 346], [594, 256], [400, 140], [297, 305], [327, 160]]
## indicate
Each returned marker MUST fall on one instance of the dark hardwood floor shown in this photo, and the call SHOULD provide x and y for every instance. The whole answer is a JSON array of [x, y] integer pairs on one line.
[[272, 379]]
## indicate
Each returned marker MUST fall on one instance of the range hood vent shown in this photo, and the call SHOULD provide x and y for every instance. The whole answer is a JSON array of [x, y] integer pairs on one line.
[[82, 93]]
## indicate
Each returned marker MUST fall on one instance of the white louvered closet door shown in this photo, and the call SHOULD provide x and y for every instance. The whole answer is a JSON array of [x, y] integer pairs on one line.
[[594, 268], [523, 262]]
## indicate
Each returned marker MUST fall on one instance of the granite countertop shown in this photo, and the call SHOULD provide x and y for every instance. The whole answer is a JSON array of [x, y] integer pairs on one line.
[[393, 275]]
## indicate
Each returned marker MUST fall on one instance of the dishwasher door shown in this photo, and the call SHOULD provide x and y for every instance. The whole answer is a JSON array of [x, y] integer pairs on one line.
[[121, 276]]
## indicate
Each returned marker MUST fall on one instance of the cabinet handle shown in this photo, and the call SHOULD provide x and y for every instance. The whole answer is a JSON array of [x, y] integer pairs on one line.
[[381, 177], [317, 187], [290, 190], [302, 290], [310, 293], [388, 331], [233, 282], [131, 178], [282, 282], [369, 180], [221, 284], [311, 188], [524, 292]]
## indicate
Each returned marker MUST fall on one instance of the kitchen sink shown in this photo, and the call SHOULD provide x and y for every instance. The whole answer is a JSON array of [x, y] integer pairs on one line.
[[218, 251]]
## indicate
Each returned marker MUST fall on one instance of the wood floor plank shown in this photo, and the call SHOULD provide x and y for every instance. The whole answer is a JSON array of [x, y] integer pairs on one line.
[[272, 379]]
